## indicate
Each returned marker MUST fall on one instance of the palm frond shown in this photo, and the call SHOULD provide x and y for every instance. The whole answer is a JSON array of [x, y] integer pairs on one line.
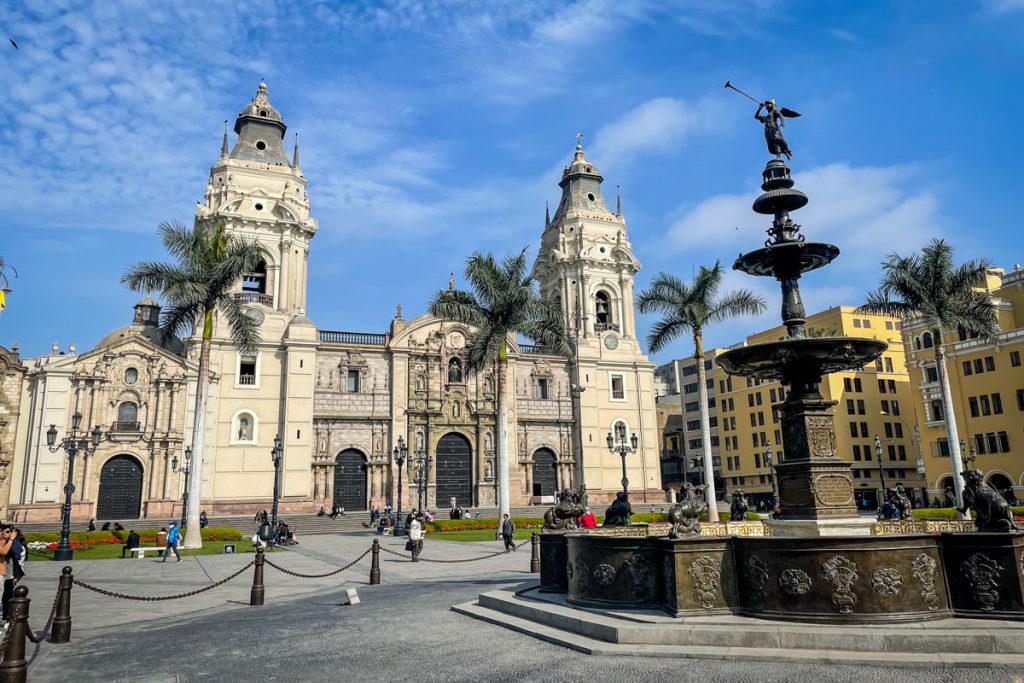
[[245, 333], [736, 304], [667, 330], [457, 305], [178, 320]]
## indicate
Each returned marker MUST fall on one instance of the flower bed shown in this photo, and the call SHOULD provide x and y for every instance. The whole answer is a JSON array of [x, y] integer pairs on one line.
[[950, 513], [84, 539]]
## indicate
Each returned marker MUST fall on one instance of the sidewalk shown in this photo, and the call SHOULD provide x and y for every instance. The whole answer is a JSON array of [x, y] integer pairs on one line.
[[314, 555]]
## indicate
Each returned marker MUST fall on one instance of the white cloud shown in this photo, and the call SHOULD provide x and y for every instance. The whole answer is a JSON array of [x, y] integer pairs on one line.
[[843, 35], [867, 211], [657, 125]]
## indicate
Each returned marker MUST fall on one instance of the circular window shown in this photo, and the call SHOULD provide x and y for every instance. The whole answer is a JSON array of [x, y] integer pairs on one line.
[[131, 376], [258, 207], [590, 196], [260, 145], [602, 250]]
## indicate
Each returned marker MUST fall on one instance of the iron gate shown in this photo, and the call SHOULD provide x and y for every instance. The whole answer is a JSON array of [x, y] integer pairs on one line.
[[120, 495], [454, 475], [545, 479], [350, 480]]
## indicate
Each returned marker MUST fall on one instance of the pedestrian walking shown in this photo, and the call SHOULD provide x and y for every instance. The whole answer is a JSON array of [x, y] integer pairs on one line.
[[415, 542], [7, 551], [508, 532], [173, 536]]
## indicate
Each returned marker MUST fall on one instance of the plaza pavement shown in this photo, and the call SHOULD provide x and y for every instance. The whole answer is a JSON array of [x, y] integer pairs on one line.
[[402, 630]]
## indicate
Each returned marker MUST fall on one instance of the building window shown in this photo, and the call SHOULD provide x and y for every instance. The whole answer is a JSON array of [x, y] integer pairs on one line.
[[850, 410], [864, 430], [690, 388], [692, 406], [861, 408], [618, 387], [847, 384], [931, 374], [128, 416], [693, 425], [895, 407], [967, 368], [899, 429], [1020, 399], [542, 388], [1015, 359], [603, 310], [856, 322], [853, 430], [247, 370], [997, 404], [1004, 442], [888, 430], [353, 381], [885, 407], [888, 365], [978, 366], [972, 402], [131, 376], [888, 324], [986, 408], [990, 364], [881, 386], [454, 371], [856, 452], [926, 340], [857, 385], [937, 412], [867, 323]]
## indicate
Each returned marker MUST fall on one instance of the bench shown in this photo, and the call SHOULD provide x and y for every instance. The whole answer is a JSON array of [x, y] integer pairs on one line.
[[141, 551]]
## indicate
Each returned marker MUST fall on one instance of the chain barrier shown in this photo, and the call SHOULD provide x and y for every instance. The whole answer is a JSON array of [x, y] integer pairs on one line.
[[6, 641], [470, 559], [38, 638], [159, 598], [317, 576]]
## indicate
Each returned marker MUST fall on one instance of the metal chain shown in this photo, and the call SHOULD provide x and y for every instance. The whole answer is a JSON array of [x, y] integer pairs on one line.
[[38, 638], [318, 576], [471, 559], [6, 641], [147, 598]]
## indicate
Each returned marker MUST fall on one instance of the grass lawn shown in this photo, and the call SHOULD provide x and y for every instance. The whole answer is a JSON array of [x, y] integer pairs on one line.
[[473, 535], [112, 551]]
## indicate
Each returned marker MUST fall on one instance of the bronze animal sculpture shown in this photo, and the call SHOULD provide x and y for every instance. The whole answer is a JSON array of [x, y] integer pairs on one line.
[[991, 511], [685, 515], [619, 512], [900, 502], [739, 508], [570, 507]]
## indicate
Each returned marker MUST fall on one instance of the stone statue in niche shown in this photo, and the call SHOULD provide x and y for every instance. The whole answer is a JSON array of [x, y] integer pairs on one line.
[[419, 440], [323, 443], [488, 384], [244, 428], [456, 409], [522, 444], [488, 441], [419, 382], [378, 445], [488, 470]]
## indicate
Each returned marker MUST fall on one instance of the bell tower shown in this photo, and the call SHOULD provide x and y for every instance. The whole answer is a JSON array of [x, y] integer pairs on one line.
[[586, 263], [258, 195]]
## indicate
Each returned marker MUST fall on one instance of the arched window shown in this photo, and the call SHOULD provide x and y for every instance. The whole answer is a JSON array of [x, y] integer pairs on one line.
[[926, 339], [454, 371], [917, 343], [256, 281], [937, 413], [128, 415], [603, 310]]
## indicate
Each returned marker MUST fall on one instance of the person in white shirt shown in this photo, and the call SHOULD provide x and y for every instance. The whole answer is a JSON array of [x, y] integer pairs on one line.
[[416, 533]]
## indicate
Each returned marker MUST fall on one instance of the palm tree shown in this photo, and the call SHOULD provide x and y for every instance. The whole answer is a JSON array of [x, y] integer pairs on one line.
[[503, 302], [927, 288], [689, 309], [203, 281]]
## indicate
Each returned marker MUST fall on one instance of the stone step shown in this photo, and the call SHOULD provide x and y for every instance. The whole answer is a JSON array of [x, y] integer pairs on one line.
[[952, 642]]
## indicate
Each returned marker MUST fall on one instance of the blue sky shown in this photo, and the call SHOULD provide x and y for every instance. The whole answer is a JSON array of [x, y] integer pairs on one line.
[[432, 129]]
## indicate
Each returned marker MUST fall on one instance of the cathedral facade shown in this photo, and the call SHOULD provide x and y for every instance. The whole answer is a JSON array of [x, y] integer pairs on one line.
[[342, 402]]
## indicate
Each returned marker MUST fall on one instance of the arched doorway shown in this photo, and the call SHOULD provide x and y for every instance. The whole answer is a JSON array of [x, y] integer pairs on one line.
[[1000, 482], [454, 470], [350, 480], [120, 495], [545, 478], [949, 498]]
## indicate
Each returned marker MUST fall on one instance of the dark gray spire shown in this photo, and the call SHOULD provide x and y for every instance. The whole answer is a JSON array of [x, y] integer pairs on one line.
[[295, 153], [547, 215], [581, 187], [224, 144], [618, 202], [260, 130]]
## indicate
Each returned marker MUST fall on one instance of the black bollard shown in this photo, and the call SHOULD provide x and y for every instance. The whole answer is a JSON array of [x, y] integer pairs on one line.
[[535, 553], [375, 563], [61, 631], [14, 668], [256, 596]]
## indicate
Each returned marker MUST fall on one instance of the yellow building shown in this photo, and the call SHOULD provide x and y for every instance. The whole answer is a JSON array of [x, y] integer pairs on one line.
[[874, 402], [987, 385]]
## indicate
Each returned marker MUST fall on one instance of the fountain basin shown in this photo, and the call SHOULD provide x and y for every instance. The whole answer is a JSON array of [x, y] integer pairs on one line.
[[787, 257], [794, 357]]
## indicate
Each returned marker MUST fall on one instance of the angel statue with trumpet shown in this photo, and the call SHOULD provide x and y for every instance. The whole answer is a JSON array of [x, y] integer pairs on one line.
[[774, 120]]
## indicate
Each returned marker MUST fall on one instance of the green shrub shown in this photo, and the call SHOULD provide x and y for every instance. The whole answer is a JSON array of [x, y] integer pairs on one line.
[[950, 513], [442, 525], [147, 536]]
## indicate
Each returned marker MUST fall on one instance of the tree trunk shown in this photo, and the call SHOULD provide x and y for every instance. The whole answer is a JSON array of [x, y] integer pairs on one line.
[[705, 428], [503, 506], [955, 457], [193, 539]]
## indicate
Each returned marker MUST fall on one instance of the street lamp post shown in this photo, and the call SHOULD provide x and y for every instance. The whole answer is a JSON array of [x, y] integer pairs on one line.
[[72, 444], [422, 468], [921, 480], [399, 453], [920, 456], [768, 457], [617, 444], [881, 470], [698, 464], [186, 468], [276, 453], [968, 459]]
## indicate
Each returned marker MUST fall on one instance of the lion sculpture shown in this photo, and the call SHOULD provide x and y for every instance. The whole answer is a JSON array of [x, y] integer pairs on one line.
[[570, 507], [685, 515], [991, 511]]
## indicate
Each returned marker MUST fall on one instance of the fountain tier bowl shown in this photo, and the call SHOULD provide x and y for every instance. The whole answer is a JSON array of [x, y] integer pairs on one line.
[[795, 357], [784, 258]]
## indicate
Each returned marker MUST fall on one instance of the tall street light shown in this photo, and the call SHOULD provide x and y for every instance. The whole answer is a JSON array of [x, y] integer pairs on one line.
[[276, 453], [881, 470], [921, 480], [768, 458], [73, 443], [423, 462], [399, 453], [617, 444], [186, 468], [920, 456]]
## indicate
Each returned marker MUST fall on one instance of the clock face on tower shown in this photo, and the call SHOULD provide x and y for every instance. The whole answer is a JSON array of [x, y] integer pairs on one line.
[[255, 315], [611, 342]]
